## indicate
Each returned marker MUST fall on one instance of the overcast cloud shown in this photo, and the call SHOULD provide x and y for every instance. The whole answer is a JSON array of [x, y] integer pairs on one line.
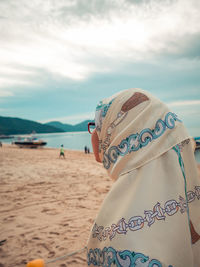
[[70, 38], [68, 45]]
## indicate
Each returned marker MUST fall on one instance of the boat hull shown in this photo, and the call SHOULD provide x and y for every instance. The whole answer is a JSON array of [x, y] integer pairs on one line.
[[197, 145], [30, 144]]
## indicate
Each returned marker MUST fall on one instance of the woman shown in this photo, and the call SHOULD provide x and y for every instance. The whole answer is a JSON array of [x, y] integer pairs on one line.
[[151, 216]]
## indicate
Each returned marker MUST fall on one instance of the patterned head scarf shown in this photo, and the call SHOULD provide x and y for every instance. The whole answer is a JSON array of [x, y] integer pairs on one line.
[[134, 127], [151, 216]]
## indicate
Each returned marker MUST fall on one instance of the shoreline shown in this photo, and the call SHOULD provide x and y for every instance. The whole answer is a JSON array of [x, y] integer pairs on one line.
[[42, 148]]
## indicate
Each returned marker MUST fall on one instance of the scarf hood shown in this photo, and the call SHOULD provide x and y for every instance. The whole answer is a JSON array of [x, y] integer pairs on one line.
[[134, 128]]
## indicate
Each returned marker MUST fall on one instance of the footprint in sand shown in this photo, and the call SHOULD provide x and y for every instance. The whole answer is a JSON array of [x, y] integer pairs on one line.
[[64, 224], [36, 238], [62, 249], [54, 233], [45, 210], [9, 219], [23, 262], [51, 254], [49, 211], [9, 174]]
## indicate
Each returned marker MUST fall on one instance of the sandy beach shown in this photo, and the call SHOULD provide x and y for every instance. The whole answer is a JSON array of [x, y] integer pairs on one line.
[[47, 204]]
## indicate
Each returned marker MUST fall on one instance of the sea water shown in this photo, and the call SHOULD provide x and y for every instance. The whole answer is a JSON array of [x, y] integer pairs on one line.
[[70, 140]]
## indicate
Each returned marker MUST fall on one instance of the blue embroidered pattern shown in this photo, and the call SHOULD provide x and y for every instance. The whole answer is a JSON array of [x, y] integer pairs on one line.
[[181, 163], [136, 223], [104, 107], [125, 258], [134, 142]]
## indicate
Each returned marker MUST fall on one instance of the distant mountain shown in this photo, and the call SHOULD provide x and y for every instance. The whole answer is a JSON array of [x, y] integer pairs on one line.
[[9, 125], [68, 127], [62, 126]]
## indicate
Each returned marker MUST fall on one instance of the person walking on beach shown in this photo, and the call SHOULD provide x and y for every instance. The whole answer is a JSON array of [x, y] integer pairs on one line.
[[62, 153], [151, 216]]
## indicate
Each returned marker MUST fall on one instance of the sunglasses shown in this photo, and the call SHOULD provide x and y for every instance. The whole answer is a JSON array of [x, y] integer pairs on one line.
[[91, 127]]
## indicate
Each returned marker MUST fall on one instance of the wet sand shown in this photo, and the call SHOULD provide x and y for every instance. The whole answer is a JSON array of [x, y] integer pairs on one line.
[[47, 204]]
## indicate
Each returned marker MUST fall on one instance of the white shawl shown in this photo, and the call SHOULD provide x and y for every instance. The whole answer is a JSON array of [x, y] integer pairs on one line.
[[151, 216]]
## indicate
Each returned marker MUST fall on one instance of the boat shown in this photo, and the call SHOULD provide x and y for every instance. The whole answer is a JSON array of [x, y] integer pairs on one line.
[[197, 145], [197, 140], [29, 142]]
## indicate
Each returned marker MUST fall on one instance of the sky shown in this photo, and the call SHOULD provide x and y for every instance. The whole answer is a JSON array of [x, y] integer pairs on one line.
[[59, 58]]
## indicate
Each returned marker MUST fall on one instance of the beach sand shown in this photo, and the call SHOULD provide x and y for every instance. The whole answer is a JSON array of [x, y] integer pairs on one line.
[[48, 204]]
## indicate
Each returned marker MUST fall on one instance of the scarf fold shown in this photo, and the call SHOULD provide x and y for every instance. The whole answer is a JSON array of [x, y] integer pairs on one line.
[[151, 216]]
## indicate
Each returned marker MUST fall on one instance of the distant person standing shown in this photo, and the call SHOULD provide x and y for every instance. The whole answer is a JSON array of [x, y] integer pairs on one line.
[[62, 153], [86, 149], [0, 144]]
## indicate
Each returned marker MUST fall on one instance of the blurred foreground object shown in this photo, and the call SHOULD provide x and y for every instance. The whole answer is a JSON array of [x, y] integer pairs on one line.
[[36, 263]]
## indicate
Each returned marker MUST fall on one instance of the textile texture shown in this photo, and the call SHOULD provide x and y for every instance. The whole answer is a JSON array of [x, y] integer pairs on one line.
[[151, 216]]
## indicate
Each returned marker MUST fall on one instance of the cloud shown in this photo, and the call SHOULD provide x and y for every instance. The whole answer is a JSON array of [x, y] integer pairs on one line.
[[4, 93], [184, 103], [15, 75], [189, 46], [76, 40]]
